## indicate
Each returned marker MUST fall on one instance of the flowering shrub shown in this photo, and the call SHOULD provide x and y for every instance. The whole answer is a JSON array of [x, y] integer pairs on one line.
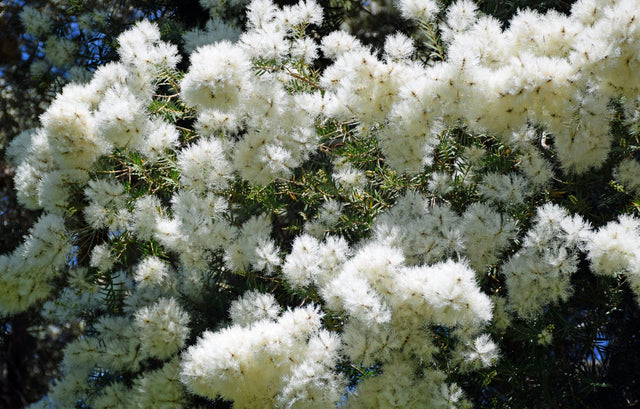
[[368, 230]]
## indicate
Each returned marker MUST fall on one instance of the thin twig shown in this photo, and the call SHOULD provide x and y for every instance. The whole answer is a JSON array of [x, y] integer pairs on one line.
[[434, 39]]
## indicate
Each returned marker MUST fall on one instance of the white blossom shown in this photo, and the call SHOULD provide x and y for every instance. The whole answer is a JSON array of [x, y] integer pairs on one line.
[[189, 204], [163, 328]]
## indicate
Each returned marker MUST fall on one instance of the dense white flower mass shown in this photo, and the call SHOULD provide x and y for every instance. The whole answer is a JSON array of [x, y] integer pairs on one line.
[[304, 263], [69, 127], [286, 360], [248, 229], [204, 166], [486, 233], [425, 233], [540, 272], [162, 136], [26, 273], [217, 77], [121, 118]]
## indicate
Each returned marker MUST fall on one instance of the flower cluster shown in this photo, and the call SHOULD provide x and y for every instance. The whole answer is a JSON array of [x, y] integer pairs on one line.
[[283, 362], [393, 209]]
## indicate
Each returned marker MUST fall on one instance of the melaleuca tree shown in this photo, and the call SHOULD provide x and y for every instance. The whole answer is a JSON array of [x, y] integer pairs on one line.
[[45, 45], [48, 43], [392, 230]]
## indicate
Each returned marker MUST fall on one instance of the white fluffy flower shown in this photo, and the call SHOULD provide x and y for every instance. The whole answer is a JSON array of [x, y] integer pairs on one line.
[[253, 306], [141, 48], [160, 136], [303, 13], [460, 17], [613, 248], [248, 250], [303, 264], [440, 183], [347, 176], [204, 165], [212, 121], [106, 193], [162, 327], [338, 43], [536, 168], [218, 75], [151, 271], [47, 244], [446, 292], [628, 175], [160, 388], [540, 272], [119, 342], [121, 118], [486, 233], [510, 189], [70, 129], [102, 258], [354, 295], [261, 13], [481, 352], [145, 214], [398, 47], [54, 189], [421, 10], [267, 362], [305, 49]]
